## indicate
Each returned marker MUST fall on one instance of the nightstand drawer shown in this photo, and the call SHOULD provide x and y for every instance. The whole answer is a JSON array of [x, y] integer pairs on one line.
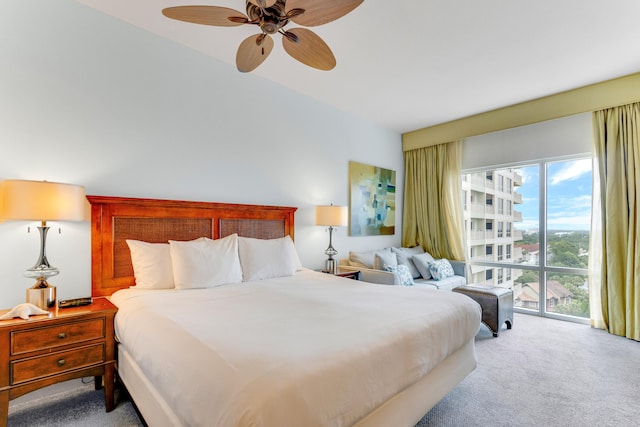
[[56, 336], [51, 364]]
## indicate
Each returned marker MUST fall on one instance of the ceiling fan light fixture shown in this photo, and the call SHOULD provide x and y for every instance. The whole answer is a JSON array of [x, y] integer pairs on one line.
[[272, 16]]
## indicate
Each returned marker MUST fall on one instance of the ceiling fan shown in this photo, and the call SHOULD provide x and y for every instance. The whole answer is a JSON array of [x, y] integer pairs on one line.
[[272, 16]]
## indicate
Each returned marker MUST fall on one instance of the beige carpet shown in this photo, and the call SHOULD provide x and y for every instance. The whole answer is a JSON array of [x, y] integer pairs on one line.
[[546, 372]]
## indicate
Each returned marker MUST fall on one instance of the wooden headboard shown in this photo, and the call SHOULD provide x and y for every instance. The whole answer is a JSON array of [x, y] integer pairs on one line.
[[116, 219]]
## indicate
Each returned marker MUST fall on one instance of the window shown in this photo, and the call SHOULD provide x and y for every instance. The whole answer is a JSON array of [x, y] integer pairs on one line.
[[500, 183], [544, 209]]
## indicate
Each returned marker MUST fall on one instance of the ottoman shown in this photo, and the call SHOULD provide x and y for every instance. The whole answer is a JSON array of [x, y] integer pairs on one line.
[[496, 304]]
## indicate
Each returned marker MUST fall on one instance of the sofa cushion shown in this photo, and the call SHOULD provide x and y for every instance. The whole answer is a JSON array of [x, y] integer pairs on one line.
[[382, 260], [404, 257], [365, 259], [402, 273], [444, 285], [441, 269], [422, 261]]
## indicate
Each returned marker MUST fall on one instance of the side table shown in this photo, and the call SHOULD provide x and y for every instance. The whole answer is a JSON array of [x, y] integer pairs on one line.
[[67, 343]]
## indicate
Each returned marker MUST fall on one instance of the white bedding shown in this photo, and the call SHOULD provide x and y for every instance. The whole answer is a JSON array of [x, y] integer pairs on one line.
[[305, 350]]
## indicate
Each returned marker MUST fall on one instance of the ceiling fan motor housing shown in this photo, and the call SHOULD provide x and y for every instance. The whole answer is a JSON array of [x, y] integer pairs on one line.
[[271, 19]]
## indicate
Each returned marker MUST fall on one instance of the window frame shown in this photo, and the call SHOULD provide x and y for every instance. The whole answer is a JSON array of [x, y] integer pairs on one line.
[[542, 268]]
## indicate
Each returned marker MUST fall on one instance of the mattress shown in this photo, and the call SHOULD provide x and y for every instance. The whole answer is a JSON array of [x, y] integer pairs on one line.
[[310, 349]]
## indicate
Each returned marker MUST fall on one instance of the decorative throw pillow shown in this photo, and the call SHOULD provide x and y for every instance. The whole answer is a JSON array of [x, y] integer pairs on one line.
[[441, 269], [151, 265], [267, 258], [402, 273], [205, 263], [384, 259], [422, 261], [404, 257], [365, 259]]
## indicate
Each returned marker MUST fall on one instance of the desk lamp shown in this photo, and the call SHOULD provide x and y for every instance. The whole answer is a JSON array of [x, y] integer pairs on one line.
[[332, 216], [41, 201]]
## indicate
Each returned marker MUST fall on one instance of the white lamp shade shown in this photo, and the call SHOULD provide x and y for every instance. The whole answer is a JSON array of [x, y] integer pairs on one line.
[[337, 216], [41, 201]]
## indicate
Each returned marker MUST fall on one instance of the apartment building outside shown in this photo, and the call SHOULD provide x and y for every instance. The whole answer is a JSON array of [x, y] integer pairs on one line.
[[489, 203]]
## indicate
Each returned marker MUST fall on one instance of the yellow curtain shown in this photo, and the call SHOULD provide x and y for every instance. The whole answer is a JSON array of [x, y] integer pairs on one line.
[[432, 214], [617, 149]]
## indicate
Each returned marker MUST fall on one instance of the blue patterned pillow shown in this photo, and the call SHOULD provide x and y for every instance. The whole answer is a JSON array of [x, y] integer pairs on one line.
[[402, 272], [441, 269]]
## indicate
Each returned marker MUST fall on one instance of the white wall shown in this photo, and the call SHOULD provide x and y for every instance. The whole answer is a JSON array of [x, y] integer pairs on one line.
[[89, 100]]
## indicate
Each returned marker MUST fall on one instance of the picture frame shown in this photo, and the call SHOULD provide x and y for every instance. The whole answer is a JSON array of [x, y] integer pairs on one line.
[[372, 200]]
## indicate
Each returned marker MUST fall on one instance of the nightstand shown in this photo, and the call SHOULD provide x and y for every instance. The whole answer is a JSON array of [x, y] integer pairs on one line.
[[65, 344], [349, 274]]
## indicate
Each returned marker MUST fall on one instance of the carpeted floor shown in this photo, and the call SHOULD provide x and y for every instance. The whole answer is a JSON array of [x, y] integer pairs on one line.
[[546, 372], [543, 372], [79, 407]]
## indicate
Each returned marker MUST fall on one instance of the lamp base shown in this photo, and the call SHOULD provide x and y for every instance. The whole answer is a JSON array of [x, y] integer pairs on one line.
[[330, 266], [42, 294]]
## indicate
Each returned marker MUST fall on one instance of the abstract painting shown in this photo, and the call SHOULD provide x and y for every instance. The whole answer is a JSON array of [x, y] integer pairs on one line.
[[372, 200]]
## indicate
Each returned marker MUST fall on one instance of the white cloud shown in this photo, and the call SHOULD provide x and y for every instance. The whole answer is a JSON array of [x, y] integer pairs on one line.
[[572, 204], [528, 173], [576, 222], [571, 171], [527, 224]]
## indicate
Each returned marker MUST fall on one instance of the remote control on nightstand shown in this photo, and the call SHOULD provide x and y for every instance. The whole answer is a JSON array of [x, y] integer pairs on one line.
[[75, 302]]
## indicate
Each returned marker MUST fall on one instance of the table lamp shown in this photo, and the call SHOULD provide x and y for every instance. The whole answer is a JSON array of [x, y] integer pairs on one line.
[[333, 216], [41, 201]]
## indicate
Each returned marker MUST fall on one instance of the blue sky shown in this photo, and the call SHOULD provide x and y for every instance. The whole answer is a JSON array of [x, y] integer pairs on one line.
[[568, 196]]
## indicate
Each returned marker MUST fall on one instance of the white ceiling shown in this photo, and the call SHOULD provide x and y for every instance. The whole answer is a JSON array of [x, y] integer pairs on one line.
[[409, 64]]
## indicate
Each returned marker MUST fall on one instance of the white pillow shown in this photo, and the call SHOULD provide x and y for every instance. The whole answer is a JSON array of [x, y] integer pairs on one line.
[[366, 259], [404, 257], [422, 262], [205, 263], [384, 259], [267, 258], [151, 265]]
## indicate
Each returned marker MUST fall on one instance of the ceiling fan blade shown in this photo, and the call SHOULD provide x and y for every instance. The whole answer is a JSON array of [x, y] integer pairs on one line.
[[309, 49], [253, 51], [320, 12], [205, 15], [266, 3]]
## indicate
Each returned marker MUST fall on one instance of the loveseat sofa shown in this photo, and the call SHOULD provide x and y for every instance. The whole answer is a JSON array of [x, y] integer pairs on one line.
[[419, 268]]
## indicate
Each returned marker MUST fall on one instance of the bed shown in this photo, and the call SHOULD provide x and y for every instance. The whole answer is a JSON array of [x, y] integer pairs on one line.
[[287, 347]]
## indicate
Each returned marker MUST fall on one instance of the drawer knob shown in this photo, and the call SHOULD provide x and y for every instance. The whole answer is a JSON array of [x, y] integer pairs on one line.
[[61, 362], [62, 335]]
